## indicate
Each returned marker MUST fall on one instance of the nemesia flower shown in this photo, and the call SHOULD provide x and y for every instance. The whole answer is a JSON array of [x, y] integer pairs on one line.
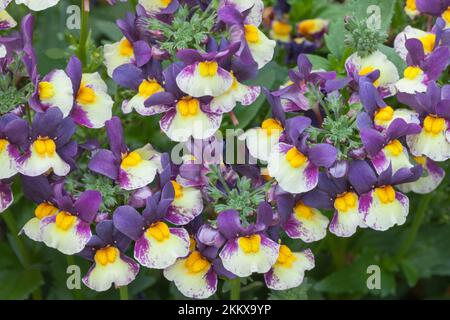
[[83, 96], [427, 183], [157, 245], [377, 61], [130, 169], [153, 7], [433, 140], [13, 134], [146, 81], [261, 140], [251, 38], [46, 196], [411, 9], [253, 8], [69, 231], [50, 146], [428, 40], [6, 21], [380, 205], [422, 69], [202, 75], [281, 31], [289, 269], [312, 28], [381, 113], [184, 116], [247, 249], [6, 196], [386, 150], [111, 266], [294, 164], [299, 217]]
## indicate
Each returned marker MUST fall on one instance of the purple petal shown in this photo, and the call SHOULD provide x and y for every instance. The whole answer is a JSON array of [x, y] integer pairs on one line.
[[128, 221], [229, 223], [322, 154], [104, 162], [87, 205]]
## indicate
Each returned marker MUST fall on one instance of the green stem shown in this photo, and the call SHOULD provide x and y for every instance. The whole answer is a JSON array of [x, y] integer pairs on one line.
[[84, 31], [235, 289], [412, 233], [123, 291]]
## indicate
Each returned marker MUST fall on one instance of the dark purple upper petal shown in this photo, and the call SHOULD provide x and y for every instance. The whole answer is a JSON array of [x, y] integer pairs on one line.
[[115, 136], [322, 154], [128, 76], [361, 176], [104, 162], [87, 205], [128, 221], [229, 224], [373, 141]]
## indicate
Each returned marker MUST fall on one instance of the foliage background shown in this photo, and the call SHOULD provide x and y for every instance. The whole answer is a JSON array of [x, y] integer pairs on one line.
[[414, 265]]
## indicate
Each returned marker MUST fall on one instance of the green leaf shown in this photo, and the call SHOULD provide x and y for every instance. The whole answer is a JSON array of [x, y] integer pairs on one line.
[[319, 62], [19, 284], [410, 272]]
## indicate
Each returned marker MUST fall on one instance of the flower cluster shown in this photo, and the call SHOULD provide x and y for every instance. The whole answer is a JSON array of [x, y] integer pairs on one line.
[[337, 152]]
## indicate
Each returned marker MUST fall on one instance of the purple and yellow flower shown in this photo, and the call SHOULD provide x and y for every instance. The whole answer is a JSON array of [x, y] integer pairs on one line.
[[145, 81], [247, 249], [202, 75], [422, 69], [130, 169], [300, 218], [50, 146], [253, 8], [312, 28], [153, 7], [428, 40], [386, 149], [184, 115], [289, 269], [281, 31], [381, 113], [13, 134], [386, 77], [411, 9], [432, 7], [111, 266], [432, 178], [380, 204], [157, 245], [69, 230], [295, 164], [433, 141], [251, 38], [261, 140]]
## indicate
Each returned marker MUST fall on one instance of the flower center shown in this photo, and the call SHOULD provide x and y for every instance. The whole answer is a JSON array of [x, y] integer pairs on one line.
[[428, 42], [147, 88], [3, 144], [46, 90], [384, 114], [126, 48], [132, 159], [86, 95], [159, 231], [281, 28], [395, 148], [367, 70], [178, 189], [251, 33], [412, 73], [345, 201], [433, 125], [411, 5], [302, 211], [44, 146], [196, 263], [386, 194], [64, 220], [192, 244], [446, 15], [271, 126], [106, 255], [285, 257], [188, 107], [307, 27], [166, 2], [44, 210], [420, 160], [250, 244], [295, 158], [208, 68]]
